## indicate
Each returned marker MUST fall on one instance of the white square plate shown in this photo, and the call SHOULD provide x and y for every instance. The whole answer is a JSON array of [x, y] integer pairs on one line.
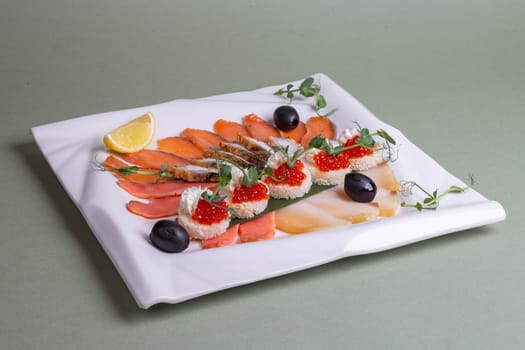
[[154, 277]]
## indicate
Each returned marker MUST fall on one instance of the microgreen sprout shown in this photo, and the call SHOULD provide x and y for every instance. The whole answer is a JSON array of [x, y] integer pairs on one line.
[[307, 89], [133, 169], [431, 201], [250, 175], [225, 176], [365, 140], [291, 159], [126, 170]]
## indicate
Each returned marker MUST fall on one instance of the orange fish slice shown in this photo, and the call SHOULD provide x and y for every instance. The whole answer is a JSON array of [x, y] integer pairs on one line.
[[154, 159], [179, 146], [113, 163], [160, 190], [229, 130], [258, 229], [203, 139], [155, 208], [295, 134], [258, 128], [224, 239], [318, 126]]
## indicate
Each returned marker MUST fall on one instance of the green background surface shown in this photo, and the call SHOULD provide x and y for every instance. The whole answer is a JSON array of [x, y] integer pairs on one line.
[[449, 74]]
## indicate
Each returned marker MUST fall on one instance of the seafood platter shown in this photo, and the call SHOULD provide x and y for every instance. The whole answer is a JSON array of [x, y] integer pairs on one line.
[[190, 197]]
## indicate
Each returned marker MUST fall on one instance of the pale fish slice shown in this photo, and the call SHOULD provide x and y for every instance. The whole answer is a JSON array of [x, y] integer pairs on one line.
[[388, 202], [302, 217], [383, 177], [336, 202]]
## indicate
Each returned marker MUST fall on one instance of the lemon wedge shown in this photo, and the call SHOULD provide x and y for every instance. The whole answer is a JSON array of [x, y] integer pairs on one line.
[[132, 136]]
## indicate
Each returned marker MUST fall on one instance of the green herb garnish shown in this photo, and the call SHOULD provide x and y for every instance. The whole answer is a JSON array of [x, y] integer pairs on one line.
[[127, 170], [250, 175], [365, 140], [130, 170], [225, 176], [291, 159], [307, 89], [432, 199]]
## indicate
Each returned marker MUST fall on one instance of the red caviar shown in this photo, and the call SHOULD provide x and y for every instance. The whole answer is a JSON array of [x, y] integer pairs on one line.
[[257, 192], [210, 213], [327, 162], [356, 152], [284, 175]]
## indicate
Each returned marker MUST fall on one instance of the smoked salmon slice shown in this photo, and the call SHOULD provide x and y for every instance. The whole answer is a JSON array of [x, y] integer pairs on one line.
[[155, 208], [295, 134], [259, 128], [229, 130], [113, 163], [224, 239], [322, 126], [154, 159], [160, 190], [258, 229], [180, 146], [203, 139]]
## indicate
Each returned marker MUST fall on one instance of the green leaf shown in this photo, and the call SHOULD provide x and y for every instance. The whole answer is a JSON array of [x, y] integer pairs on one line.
[[316, 142], [306, 83], [246, 180], [217, 199], [289, 87], [456, 189], [252, 175], [128, 170], [225, 174], [320, 101], [427, 200], [206, 196], [307, 92], [331, 149], [252, 172], [472, 180], [268, 171], [386, 136], [365, 140]]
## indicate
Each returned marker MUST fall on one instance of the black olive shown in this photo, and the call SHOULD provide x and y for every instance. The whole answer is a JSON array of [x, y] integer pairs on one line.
[[169, 236], [285, 118], [360, 187]]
